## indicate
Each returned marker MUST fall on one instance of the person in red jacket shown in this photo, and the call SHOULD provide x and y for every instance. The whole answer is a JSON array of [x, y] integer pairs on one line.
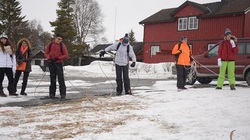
[[56, 52], [226, 59]]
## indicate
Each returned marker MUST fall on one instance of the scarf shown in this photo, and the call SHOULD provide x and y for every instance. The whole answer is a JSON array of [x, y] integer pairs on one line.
[[23, 49]]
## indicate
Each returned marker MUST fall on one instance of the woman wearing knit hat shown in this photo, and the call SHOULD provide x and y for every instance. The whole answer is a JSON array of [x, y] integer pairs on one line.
[[23, 58], [226, 59], [7, 64]]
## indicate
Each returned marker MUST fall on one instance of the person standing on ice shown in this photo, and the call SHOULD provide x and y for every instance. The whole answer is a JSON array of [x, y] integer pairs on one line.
[[226, 59], [56, 52], [7, 64], [182, 54], [124, 51], [23, 58]]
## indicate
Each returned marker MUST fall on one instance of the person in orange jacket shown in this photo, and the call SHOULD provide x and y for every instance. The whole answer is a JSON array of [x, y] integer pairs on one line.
[[182, 54], [23, 58]]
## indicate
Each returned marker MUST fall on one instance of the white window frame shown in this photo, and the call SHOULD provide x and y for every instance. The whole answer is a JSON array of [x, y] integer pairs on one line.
[[182, 24], [193, 23], [154, 50], [188, 23]]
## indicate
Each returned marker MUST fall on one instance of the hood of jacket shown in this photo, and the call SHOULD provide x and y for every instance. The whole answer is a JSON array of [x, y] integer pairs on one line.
[[19, 43]]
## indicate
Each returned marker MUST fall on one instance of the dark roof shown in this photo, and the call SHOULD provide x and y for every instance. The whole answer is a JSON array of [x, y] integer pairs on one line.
[[99, 47], [39, 54], [137, 46], [197, 5], [225, 7], [161, 16]]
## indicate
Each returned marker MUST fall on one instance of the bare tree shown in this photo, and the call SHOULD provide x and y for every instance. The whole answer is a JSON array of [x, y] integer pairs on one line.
[[88, 21]]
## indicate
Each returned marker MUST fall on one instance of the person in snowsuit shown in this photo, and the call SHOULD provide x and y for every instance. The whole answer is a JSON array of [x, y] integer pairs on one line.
[[56, 52], [182, 53], [124, 51], [7, 64], [227, 51], [23, 58]]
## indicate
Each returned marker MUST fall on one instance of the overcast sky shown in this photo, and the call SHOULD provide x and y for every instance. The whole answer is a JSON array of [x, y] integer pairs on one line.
[[120, 16]]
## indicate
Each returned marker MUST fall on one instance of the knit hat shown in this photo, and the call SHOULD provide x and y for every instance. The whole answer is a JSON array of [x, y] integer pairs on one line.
[[228, 31], [183, 37], [3, 35], [125, 39]]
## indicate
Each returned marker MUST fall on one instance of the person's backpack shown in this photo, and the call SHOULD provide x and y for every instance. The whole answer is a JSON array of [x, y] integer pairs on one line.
[[177, 55], [60, 46], [119, 44]]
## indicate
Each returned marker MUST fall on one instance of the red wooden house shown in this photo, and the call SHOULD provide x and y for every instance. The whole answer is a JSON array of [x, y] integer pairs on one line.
[[203, 24]]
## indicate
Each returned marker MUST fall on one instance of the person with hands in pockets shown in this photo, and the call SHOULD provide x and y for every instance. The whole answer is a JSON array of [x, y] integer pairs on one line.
[[124, 51], [7, 64], [227, 51], [23, 59], [56, 52], [182, 54]]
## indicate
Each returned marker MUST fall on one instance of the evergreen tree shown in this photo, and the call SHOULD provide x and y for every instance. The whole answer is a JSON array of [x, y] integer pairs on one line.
[[11, 21], [131, 36], [64, 23]]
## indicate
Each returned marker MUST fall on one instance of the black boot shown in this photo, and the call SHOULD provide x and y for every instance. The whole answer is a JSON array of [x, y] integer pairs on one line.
[[2, 94], [13, 94], [232, 87], [23, 93]]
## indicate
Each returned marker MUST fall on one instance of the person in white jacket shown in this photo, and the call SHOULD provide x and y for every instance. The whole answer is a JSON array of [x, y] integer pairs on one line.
[[7, 65], [124, 51]]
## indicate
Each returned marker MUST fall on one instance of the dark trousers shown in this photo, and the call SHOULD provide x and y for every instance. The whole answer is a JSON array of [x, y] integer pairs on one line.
[[25, 80], [122, 71], [182, 72], [9, 74], [56, 69]]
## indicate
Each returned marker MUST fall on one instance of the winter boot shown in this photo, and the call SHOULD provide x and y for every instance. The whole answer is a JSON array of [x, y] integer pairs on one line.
[[13, 94], [2, 94], [218, 88], [23, 93], [128, 93], [232, 87], [118, 93]]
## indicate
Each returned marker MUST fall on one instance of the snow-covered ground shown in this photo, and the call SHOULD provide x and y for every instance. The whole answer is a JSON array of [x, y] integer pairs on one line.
[[158, 112]]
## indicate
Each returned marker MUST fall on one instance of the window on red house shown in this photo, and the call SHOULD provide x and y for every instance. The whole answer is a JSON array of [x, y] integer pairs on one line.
[[192, 23], [187, 23], [182, 23], [154, 50]]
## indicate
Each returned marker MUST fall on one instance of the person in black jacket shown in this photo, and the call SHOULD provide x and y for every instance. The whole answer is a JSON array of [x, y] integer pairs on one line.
[[23, 58]]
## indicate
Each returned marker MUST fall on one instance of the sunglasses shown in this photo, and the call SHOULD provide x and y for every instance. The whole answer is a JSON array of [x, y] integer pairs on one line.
[[59, 38]]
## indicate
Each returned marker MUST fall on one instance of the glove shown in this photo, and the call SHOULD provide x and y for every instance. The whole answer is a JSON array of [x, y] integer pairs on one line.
[[53, 60], [232, 43], [133, 64], [102, 54], [219, 62]]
